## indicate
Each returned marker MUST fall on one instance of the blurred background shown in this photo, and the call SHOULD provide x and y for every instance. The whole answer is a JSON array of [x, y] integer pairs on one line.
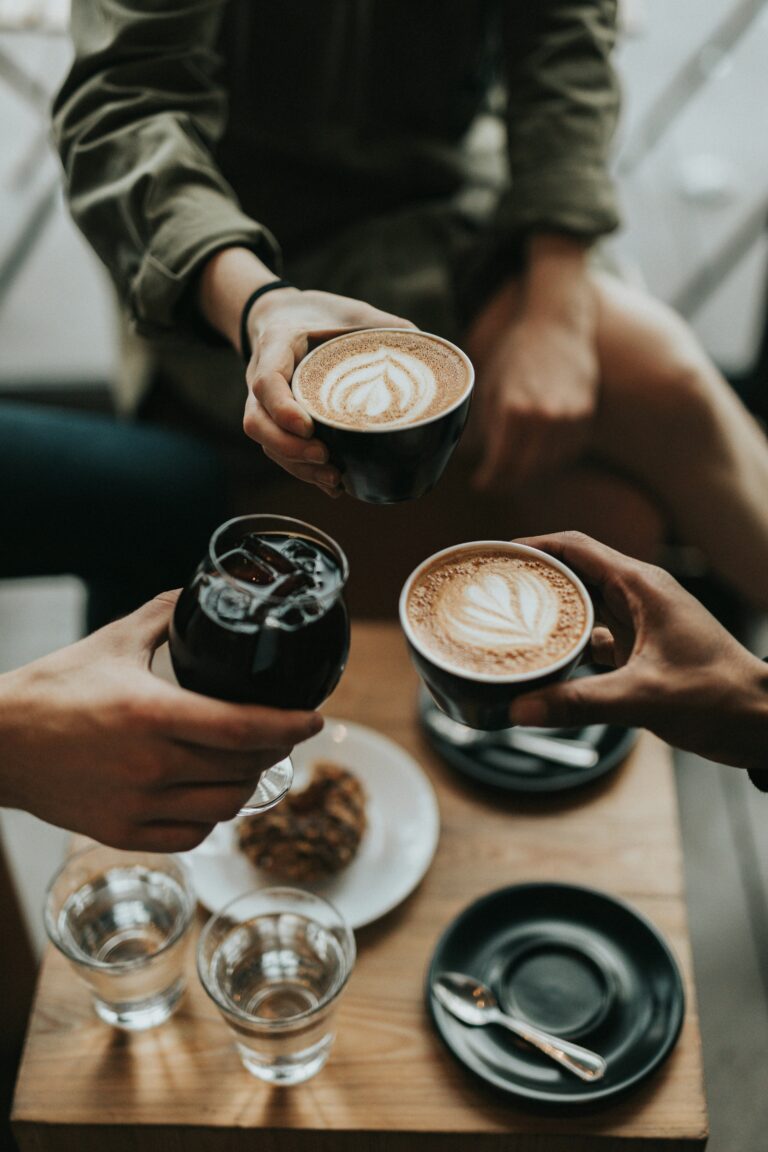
[[692, 165]]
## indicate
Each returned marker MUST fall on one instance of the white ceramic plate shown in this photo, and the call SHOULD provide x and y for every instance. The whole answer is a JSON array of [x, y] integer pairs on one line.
[[396, 849]]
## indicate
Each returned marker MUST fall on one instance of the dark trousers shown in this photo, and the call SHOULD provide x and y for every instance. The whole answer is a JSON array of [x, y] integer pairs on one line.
[[128, 508]]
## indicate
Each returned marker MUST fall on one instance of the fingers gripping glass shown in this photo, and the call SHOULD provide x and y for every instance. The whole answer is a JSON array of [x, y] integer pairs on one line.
[[263, 621]]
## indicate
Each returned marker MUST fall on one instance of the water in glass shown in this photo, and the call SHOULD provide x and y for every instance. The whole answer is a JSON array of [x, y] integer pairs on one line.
[[277, 970], [126, 927]]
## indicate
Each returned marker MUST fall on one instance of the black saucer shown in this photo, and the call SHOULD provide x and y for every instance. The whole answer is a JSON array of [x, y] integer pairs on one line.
[[575, 962], [515, 771]]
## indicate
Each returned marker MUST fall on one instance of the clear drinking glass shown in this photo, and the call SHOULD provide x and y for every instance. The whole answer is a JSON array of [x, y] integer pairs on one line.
[[263, 621], [274, 963], [122, 919]]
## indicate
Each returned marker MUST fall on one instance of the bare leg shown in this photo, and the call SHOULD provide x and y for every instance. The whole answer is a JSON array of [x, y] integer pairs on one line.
[[668, 419], [592, 496]]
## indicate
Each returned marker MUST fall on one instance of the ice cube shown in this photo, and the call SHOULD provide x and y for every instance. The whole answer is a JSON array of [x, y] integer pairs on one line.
[[294, 585], [290, 617], [310, 610], [248, 568], [302, 553], [229, 604], [261, 552]]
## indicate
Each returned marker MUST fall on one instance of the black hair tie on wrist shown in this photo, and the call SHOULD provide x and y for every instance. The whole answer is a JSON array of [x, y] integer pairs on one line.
[[245, 341]]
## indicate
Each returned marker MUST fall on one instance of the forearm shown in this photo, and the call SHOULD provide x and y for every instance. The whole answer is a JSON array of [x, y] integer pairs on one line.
[[225, 283], [137, 122]]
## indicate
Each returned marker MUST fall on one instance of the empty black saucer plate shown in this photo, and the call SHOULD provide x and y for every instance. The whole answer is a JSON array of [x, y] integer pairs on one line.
[[575, 962], [514, 771]]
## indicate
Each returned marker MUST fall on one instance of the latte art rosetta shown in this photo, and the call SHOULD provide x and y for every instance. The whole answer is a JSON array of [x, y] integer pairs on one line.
[[383, 379], [496, 611], [372, 383]]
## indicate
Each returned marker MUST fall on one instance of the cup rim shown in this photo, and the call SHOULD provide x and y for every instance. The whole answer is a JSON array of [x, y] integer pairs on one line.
[[275, 1025], [494, 677], [81, 958], [383, 429], [293, 523]]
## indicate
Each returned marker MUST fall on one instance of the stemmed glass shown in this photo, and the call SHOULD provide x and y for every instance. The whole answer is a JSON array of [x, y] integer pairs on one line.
[[263, 621]]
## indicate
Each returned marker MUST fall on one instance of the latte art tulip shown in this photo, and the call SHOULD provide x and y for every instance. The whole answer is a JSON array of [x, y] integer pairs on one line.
[[381, 383], [503, 611]]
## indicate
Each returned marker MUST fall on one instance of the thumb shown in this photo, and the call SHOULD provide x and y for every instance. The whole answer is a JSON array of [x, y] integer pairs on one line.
[[609, 698], [145, 629]]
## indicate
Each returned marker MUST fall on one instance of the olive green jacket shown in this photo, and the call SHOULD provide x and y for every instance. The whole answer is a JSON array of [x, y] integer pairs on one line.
[[188, 125]]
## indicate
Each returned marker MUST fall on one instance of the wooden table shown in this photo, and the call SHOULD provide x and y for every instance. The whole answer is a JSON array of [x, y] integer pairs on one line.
[[390, 1084]]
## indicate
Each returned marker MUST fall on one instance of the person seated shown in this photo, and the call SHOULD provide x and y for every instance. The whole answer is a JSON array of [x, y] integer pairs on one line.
[[93, 741], [676, 670], [192, 136], [127, 508]]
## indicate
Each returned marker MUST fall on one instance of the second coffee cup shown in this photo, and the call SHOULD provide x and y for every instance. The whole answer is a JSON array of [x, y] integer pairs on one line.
[[390, 404], [489, 620]]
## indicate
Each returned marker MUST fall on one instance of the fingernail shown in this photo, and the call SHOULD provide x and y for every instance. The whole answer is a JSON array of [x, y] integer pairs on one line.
[[530, 713], [315, 724], [317, 454], [330, 477]]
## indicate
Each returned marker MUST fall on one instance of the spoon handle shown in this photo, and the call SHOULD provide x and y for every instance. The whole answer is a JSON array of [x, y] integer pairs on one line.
[[576, 753], [583, 1063]]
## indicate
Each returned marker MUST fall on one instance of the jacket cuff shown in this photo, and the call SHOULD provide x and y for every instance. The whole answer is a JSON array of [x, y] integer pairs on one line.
[[161, 297], [581, 202]]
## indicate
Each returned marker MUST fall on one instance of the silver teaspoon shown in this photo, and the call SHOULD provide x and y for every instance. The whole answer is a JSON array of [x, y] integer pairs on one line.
[[574, 753], [474, 1003]]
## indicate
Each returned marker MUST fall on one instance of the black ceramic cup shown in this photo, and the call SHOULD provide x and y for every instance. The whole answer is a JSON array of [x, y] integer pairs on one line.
[[389, 463], [482, 700]]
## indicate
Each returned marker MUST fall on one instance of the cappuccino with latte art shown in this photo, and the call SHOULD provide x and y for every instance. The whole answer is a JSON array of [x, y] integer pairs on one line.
[[390, 405], [495, 613], [489, 620], [381, 379]]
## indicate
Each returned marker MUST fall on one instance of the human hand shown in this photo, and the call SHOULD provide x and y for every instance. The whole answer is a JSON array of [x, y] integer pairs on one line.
[[537, 369], [280, 326], [677, 672], [94, 742]]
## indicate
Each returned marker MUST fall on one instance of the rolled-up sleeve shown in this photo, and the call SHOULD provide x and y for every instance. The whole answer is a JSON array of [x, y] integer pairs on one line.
[[563, 103], [136, 123]]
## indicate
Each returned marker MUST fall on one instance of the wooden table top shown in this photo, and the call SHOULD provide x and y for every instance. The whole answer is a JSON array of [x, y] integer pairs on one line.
[[390, 1083]]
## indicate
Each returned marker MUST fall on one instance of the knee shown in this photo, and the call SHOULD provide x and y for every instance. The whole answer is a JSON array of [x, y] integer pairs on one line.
[[653, 366], [682, 389]]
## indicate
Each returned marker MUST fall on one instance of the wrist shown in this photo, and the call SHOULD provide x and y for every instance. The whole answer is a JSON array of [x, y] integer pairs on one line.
[[226, 281], [12, 706], [757, 699], [250, 306], [556, 285], [262, 312]]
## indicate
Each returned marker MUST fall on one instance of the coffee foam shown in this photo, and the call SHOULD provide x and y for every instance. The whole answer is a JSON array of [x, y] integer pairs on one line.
[[496, 613], [381, 379]]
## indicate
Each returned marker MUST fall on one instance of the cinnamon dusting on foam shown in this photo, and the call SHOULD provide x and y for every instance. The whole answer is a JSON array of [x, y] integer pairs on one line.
[[496, 613]]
